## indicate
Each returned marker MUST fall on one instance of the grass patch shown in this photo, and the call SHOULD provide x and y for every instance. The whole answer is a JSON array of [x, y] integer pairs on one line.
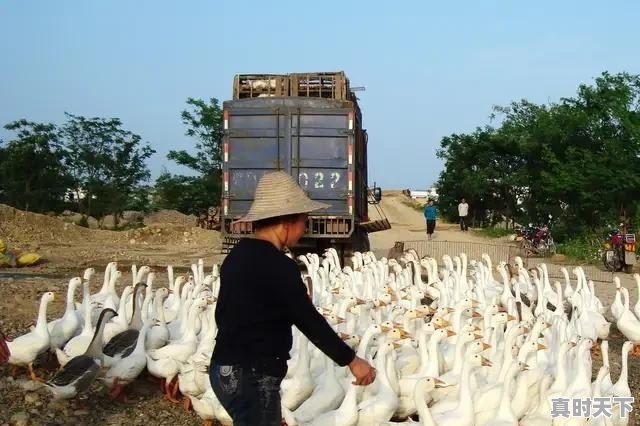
[[493, 232], [413, 204], [582, 248]]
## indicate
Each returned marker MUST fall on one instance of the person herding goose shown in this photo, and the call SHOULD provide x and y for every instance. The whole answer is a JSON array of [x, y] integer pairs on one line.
[[261, 296]]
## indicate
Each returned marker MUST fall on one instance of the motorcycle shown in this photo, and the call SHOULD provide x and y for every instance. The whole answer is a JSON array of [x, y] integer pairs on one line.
[[536, 240], [619, 251]]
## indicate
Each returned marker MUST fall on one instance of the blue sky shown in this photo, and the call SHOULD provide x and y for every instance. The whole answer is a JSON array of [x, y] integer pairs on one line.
[[430, 68]]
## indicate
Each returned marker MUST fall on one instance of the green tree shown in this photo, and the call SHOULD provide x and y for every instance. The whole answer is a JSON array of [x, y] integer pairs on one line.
[[106, 161], [32, 175], [194, 194], [576, 160]]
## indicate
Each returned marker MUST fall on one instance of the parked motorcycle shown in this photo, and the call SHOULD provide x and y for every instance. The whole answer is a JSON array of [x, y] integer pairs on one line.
[[619, 251], [536, 240]]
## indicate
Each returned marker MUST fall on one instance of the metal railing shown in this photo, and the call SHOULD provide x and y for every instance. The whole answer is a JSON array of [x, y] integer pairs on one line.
[[592, 272], [498, 253], [473, 250]]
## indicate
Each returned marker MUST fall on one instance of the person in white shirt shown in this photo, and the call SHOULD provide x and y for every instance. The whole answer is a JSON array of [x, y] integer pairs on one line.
[[463, 212]]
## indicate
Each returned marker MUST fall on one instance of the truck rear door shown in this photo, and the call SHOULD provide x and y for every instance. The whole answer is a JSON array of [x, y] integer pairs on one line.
[[320, 143]]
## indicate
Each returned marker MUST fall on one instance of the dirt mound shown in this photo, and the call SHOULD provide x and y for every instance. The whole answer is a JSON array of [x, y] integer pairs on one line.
[[25, 228], [19, 226], [170, 216], [171, 233]]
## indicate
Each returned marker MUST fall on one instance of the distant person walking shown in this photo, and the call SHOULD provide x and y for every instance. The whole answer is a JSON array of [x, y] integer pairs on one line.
[[463, 212], [430, 214]]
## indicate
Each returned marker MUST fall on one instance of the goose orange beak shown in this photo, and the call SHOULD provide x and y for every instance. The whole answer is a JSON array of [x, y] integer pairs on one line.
[[440, 383], [404, 334]]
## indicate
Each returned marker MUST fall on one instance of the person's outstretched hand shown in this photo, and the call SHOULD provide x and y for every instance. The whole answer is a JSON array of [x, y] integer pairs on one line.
[[364, 372]]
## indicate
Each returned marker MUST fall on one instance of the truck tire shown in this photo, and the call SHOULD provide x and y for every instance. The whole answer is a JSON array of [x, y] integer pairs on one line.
[[365, 245], [359, 242]]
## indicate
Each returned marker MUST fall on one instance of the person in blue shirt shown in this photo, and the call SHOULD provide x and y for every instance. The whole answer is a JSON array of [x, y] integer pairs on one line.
[[430, 214]]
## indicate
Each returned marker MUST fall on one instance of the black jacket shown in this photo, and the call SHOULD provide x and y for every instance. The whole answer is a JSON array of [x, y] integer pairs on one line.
[[261, 296]]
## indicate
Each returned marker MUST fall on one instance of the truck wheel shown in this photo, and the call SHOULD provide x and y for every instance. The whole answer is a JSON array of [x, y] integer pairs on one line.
[[345, 251], [365, 245]]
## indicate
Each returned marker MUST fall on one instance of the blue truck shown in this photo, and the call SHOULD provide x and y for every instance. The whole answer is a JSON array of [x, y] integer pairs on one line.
[[309, 125]]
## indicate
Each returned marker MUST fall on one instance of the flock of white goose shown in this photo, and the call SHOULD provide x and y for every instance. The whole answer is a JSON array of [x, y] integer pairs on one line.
[[463, 343]]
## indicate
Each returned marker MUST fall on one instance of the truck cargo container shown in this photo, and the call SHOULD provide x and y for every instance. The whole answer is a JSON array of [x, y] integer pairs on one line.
[[316, 136]]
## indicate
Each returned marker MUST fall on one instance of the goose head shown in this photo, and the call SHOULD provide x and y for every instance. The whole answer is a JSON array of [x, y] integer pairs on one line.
[[440, 322], [74, 283], [424, 310], [501, 318], [428, 384], [441, 334], [88, 273], [162, 293], [471, 313], [477, 360], [47, 297], [477, 346]]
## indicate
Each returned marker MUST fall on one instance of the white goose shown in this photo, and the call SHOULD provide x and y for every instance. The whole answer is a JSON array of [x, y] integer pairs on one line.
[[381, 407], [165, 362], [63, 329], [127, 367], [107, 296], [326, 396], [79, 344], [296, 389], [345, 415], [209, 409], [158, 335], [123, 344], [636, 307], [77, 375], [23, 350], [628, 324], [121, 322]]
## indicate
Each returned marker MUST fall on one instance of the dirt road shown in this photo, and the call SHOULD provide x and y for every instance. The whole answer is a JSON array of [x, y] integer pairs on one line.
[[408, 224]]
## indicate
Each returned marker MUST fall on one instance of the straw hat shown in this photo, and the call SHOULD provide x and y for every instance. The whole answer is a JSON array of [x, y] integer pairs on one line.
[[277, 194]]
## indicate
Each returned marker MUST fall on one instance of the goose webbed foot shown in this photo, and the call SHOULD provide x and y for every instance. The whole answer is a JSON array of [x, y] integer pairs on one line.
[[117, 391], [171, 390], [34, 376], [186, 403], [5, 353]]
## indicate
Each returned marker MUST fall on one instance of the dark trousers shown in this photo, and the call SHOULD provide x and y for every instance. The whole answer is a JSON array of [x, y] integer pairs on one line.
[[463, 223], [431, 226], [250, 397]]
